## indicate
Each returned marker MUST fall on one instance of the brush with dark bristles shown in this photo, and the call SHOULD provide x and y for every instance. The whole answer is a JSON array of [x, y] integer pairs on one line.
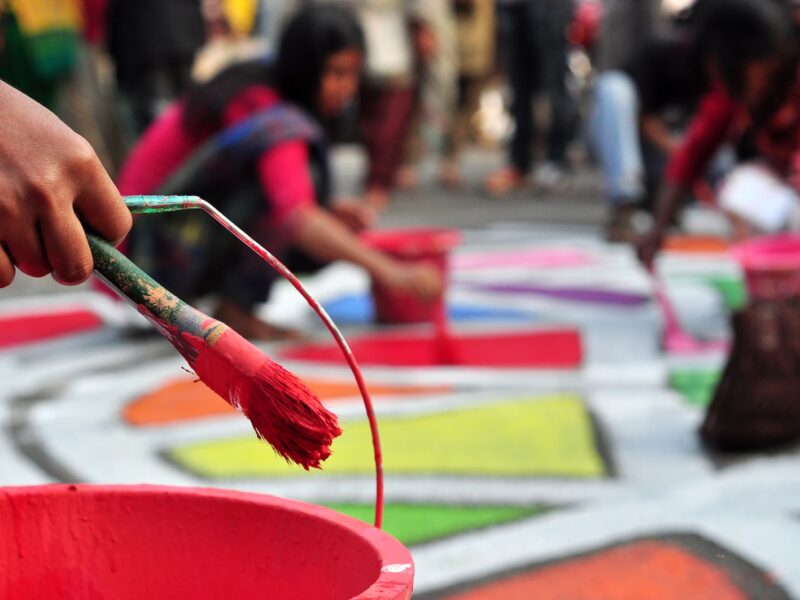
[[281, 408]]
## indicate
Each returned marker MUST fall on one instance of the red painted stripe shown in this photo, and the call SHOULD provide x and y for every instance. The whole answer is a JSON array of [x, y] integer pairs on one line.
[[558, 349], [19, 329]]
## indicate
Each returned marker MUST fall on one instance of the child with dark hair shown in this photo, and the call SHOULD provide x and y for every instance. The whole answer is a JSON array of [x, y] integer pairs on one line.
[[251, 142], [751, 50]]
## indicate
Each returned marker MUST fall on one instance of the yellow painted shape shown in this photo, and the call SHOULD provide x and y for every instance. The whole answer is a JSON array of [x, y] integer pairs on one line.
[[550, 436]]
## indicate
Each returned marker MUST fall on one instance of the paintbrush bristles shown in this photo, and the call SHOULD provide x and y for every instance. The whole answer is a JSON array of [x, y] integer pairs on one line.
[[290, 417], [282, 409]]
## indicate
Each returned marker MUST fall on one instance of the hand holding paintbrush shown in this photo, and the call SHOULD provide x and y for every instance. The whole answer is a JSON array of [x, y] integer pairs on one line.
[[281, 408]]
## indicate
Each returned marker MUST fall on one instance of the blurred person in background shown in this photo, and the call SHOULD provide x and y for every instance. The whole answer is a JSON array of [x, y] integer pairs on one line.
[[153, 44], [251, 141], [751, 50], [533, 47], [39, 46], [436, 72], [638, 116], [626, 26], [396, 33]]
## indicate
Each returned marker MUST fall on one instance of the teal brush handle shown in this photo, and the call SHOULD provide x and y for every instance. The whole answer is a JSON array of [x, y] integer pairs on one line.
[[141, 290]]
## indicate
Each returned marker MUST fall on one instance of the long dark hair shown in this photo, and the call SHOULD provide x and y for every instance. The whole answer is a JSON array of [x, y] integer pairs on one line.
[[310, 37], [732, 33]]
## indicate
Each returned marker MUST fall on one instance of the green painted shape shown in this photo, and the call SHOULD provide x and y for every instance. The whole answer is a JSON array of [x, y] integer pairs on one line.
[[420, 523], [535, 437], [697, 386], [732, 289]]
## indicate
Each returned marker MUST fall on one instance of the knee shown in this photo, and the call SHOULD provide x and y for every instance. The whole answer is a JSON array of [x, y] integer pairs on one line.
[[616, 89]]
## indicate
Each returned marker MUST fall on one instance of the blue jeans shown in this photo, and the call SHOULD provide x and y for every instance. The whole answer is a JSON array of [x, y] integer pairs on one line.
[[614, 135]]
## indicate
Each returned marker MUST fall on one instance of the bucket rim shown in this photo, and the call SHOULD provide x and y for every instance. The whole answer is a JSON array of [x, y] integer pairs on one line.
[[769, 253], [395, 577]]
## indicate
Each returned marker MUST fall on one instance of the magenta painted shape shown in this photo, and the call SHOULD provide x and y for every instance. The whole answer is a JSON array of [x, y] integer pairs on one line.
[[536, 258]]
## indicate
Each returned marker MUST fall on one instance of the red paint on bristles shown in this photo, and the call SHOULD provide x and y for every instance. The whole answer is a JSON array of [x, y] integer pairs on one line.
[[282, 409]]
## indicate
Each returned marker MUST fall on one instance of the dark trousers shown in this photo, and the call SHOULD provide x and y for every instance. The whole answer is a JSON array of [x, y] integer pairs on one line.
[[533, 49]]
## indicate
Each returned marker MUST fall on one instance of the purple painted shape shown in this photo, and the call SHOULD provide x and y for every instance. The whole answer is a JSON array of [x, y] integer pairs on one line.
[[571, 294]]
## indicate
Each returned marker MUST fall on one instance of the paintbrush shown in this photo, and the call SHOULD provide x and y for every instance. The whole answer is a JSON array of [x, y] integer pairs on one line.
[[281, 408]]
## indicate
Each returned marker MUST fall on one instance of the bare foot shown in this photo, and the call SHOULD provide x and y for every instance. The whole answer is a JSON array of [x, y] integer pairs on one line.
[[407, 178], [377, 198], [449, 176], [250, 326], [503, 181]]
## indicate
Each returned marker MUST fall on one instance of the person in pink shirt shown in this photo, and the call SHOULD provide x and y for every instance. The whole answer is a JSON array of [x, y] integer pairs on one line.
[[251, 141], [752, 50]]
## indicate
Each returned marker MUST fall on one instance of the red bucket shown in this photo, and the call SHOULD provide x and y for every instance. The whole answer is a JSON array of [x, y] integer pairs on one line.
[[431, 245], [65, 542], [771, 266]]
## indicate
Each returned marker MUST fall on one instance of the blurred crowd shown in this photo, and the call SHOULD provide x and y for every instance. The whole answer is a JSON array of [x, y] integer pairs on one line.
[[673, 101]]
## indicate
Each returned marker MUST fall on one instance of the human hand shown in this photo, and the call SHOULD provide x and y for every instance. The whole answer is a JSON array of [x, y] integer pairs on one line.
[[357, 216], [648, 245], [50, 177], [423, 280]]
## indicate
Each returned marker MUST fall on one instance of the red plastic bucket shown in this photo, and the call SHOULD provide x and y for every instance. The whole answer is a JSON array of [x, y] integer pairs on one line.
[[65, 542], [430, 245], [771, 266]]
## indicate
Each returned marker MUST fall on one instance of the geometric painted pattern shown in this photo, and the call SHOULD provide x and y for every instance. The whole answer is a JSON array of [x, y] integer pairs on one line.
[[655, 569], [420, 523], [187, 399], [496, 477], [528, 437], [696, 385]]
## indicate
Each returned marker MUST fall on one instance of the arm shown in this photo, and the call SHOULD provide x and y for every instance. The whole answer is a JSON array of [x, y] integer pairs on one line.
[[325, 237], [284, 176], [705, 134], [49, 179], [656, 132]]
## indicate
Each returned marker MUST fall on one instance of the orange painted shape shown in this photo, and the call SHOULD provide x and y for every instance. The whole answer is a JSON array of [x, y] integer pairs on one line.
[[699, 244], [185, 399], [648, 569]]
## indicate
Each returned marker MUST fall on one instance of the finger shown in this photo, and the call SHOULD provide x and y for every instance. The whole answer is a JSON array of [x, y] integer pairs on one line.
[[66, 247], [24, 248], [100, 206], [7, 270]]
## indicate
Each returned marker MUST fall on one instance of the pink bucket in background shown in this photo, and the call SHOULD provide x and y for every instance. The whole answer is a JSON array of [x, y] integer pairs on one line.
[[771, 266], [430, 245]]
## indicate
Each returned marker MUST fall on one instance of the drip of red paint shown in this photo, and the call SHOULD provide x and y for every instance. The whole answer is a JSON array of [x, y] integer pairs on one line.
[[282, 409], [446, 346]]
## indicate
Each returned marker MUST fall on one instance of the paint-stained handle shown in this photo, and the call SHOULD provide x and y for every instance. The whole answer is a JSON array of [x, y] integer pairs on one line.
[[137, 287]]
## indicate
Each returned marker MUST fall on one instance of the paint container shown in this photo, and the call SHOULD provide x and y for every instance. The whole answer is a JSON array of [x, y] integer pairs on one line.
[[431, 245], [771, 266], [81, 541]]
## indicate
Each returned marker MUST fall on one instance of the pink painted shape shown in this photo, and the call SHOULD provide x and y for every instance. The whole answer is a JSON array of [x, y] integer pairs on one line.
[[676, 339], [18, 329], [538, 258], [97, 542], [556, 349]]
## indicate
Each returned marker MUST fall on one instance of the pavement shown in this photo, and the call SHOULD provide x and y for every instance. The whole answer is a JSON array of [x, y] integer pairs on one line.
[[557, 458]]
